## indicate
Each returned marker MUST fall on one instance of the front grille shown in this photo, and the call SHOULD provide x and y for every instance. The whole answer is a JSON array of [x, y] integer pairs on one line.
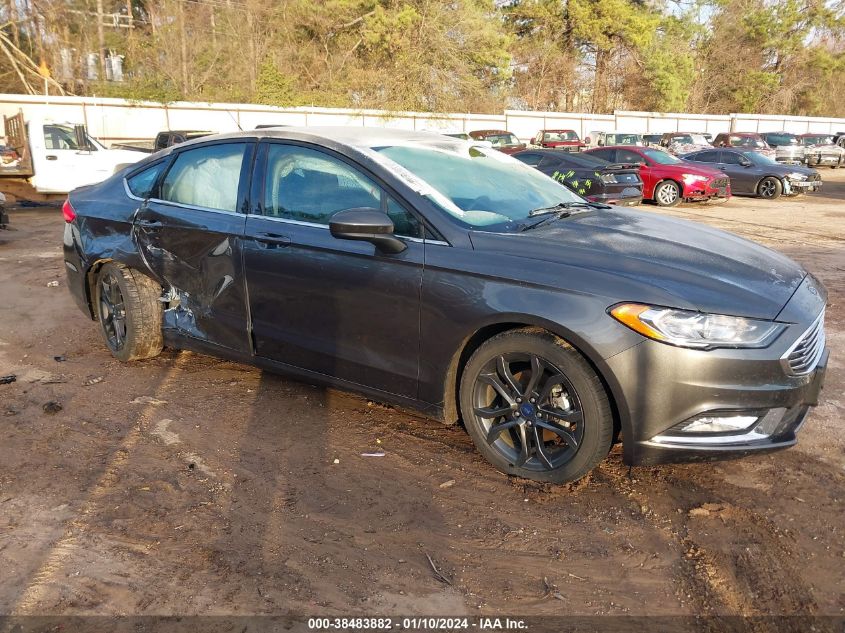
[[806, 352], [720, 183]]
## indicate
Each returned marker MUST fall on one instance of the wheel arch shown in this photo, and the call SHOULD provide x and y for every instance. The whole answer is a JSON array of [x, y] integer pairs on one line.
[[505, 323], [90, 279]]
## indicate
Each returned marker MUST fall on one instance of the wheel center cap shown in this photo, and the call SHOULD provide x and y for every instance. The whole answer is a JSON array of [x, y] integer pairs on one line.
[[526, 409]]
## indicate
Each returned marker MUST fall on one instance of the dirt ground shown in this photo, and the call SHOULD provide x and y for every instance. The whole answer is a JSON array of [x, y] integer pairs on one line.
[[187, 485]]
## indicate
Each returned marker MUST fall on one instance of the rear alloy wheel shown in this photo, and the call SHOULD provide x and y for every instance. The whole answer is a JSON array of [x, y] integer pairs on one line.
[[770, 188], [129, 311], [667, 194], [535, 408]]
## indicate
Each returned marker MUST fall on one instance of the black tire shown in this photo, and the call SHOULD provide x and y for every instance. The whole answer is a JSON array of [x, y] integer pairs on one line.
[[560, 435], [129, 311], [667, 194], [770, 188]]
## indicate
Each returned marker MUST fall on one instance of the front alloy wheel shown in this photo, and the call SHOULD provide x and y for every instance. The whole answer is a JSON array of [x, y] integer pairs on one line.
[[770, 188], [667, 194], [535, 408]]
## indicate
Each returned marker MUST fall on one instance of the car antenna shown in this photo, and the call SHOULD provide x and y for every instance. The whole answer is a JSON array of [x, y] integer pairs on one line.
[[229, 112]]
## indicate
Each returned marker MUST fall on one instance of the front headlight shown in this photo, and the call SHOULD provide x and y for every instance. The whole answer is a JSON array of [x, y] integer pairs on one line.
[[686, 328], [693, 178], [796, 176]]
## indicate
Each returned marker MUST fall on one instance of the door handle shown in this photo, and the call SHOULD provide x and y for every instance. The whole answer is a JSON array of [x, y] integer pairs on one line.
[[52, 157], [150, 224], [272, 238]]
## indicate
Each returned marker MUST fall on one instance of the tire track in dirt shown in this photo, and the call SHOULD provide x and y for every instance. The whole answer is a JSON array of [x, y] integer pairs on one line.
[[31, 596], [754, 572]]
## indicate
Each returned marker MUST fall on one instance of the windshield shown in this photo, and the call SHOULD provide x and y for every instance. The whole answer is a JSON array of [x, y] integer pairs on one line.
[[498, 140], [560, 135], [661, 158], [781, 139], [817, 140], [476, 185], [690, 139], [747, 141], [624, 139], [759, 159]]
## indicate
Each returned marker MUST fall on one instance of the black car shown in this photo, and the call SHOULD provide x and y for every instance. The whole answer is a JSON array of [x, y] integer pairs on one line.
[[753, 174], [589, 176], [450, 278]]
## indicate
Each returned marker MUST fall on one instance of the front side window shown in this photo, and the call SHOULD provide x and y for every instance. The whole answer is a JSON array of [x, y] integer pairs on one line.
[[206, 177], [731, 158], [141, 184], [626, 156], [309, 186], [64, 137]]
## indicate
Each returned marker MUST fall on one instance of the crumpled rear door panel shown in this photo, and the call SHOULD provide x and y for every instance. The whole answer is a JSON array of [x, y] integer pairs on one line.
[[196, 255]]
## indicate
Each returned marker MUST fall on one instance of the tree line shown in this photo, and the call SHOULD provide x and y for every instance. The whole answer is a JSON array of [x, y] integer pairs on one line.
[[708, 56]]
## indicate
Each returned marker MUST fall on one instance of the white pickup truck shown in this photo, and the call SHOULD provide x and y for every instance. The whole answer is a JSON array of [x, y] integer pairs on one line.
[[43, 160]]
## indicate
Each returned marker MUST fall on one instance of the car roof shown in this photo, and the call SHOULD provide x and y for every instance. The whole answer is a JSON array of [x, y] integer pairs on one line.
[[556, 129], [363, 139], [489, 132]]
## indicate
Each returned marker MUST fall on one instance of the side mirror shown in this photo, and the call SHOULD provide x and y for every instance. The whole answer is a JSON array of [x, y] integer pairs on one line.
[[745, 162], [366, 224], [81, 134]]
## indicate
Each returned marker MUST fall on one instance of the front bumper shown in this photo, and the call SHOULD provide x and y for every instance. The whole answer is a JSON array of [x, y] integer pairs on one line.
[[830, 160], [801, 186], [717, 188], [659, 388]]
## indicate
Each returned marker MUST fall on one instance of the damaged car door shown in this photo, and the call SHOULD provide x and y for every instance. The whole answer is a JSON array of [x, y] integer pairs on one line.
[[337, 307], [189, 233]]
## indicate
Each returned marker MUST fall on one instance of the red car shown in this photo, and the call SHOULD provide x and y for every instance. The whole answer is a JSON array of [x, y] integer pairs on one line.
[[558, 139], [502, 140], [666, 179]]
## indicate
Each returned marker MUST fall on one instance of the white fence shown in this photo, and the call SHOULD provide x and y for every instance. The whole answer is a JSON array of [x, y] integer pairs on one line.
[[118, 120]]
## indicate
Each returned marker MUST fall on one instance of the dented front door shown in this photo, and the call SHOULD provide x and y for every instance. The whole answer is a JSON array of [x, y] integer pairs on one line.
[[194, 249]]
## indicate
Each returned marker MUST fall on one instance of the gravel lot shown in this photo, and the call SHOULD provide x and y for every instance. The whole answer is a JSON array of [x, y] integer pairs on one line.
[[188, 485]]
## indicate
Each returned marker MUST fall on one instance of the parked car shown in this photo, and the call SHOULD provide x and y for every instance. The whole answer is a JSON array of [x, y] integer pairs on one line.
[[667, 180], [683, 142], [558, 139], [174, 137], [335, 254], [501, 140], [820, 149], [750, 141], [600, 139], [589, 176], [788, 148], [754, 174]]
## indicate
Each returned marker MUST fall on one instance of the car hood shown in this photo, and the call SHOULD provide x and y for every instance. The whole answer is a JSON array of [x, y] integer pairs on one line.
[[788, 169], [705, 268]]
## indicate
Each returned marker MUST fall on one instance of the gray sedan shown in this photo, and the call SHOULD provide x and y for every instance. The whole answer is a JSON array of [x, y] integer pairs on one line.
[[753, 174], [445, 276]]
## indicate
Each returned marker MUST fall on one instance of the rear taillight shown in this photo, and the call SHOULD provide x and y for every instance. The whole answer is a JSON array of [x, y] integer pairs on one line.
[[67, 211]]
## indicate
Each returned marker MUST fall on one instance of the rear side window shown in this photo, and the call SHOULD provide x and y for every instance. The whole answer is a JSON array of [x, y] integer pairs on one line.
[[141, 184], [206, 177], [529, 159], [605, 154], [706, 157]]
